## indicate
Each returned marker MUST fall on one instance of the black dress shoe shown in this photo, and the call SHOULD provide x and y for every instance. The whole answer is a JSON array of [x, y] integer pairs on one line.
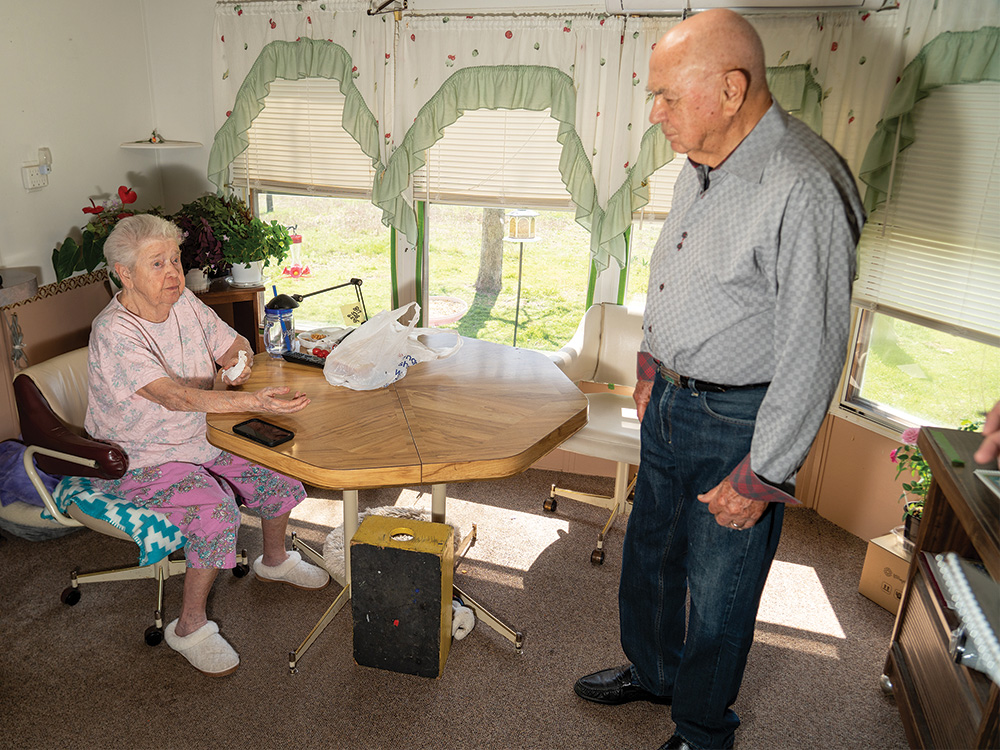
[[678, 743], [614, 687]]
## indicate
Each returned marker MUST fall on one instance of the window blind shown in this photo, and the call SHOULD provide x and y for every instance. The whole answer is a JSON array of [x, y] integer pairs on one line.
[[496, 157], [931, 253], [298, 144]]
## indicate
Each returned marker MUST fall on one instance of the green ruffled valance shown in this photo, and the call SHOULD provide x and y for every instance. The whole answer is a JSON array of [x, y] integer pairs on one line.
[[490, 87], [305, 58], [951, 57], [793, 87]]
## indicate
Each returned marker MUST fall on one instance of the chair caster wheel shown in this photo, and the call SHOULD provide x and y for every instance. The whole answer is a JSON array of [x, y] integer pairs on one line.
[[550, 505], [597, 557], [153, 636], [241, 570], [70, 596]]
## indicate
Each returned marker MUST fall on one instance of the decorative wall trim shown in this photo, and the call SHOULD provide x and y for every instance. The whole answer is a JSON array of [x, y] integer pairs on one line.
[[51, 290]]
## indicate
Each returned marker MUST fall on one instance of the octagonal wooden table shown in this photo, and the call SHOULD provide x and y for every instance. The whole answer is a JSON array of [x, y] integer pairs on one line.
[[486, 412]]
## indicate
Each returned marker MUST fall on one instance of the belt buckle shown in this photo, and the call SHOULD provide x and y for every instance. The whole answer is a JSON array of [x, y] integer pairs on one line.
[[670, 375]]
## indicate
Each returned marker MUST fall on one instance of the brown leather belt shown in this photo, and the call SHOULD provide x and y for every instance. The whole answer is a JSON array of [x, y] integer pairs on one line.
[[683, 381]]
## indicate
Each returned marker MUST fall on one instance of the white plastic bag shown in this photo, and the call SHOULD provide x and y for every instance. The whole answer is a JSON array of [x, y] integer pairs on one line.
[[379, 351]]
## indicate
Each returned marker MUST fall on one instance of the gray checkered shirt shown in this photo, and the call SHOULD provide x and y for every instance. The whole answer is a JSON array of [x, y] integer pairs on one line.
[[750, 281]]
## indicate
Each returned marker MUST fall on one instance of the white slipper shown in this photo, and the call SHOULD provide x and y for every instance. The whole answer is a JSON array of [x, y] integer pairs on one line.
[[207, 651], [294, 571]]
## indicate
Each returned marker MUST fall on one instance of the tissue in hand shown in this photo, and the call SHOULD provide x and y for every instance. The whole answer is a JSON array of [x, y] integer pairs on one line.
[[236, 370]]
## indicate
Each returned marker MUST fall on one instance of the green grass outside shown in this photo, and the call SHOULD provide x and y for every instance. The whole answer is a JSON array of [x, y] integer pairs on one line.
[[933, 377]]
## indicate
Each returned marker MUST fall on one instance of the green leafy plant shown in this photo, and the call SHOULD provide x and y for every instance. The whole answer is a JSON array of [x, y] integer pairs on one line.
[[256, 240], [203, 222], [908, 457], [88, 254]]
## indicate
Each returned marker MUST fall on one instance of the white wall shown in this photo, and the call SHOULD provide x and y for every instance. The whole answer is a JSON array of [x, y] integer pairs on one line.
[[77, 80]]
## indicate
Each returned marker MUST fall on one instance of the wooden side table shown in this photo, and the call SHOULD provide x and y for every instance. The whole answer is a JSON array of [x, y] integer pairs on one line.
[[240, 307], [943, 704]]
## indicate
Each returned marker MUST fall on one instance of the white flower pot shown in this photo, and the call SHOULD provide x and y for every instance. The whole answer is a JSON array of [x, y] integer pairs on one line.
[[250, 274], [196, 280]]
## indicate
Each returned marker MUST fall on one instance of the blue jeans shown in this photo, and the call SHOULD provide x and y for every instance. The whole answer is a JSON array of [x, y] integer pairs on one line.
[[691, 441]]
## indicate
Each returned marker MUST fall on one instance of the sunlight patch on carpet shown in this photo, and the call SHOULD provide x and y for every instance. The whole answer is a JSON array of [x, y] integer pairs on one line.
[[794, 597]]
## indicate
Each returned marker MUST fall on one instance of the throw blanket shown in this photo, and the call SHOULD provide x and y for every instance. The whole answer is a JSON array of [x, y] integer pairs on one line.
[[154, 534]]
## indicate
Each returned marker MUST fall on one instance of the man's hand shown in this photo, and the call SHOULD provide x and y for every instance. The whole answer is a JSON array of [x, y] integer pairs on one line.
[[730, 508], [268, 400], [641, 394]]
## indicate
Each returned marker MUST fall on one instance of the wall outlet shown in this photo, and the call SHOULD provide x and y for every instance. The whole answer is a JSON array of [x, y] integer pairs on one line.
[[33, 178]]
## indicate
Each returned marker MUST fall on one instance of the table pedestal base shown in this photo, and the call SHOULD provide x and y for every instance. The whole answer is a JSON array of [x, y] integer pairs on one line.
[[438, 496]]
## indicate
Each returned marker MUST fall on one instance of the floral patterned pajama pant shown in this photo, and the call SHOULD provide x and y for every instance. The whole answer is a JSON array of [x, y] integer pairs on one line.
[[200, 499]]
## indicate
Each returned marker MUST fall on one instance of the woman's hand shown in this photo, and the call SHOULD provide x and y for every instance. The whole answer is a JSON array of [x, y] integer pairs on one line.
[[269, 401], [232, 357]]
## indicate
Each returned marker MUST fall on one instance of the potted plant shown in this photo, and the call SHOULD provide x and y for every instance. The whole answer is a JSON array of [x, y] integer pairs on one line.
[[908, 457], [88, 254], [252, 245], [203, 223]]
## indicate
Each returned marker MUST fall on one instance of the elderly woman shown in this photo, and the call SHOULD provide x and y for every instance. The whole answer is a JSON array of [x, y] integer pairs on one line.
[[154, 352]]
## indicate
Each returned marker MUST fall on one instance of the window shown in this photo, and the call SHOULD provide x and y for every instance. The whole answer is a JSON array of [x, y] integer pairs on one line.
[[646, 227], [927, 347], [488, 163], [304, 170]]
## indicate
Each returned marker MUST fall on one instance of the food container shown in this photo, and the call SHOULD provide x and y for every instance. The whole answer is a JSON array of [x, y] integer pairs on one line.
[[321, 338]]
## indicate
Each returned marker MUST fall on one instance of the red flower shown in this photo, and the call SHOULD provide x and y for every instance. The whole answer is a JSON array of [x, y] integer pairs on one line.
[[273, 24], [223, 38], [413, 37], [626, 165], [309, 19], [865, 16], [451, 57], [386, 55], [566, 29], [833, 47], [229, 113], [509, 35], [127, 195], [94, 208], [850, 120]]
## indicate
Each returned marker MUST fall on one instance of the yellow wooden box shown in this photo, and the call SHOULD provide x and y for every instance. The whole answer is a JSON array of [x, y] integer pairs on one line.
[[401, 592]]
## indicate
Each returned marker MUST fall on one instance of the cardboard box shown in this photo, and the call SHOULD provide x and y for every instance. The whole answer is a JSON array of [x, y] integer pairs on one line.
[[401, 591], [883, 577]]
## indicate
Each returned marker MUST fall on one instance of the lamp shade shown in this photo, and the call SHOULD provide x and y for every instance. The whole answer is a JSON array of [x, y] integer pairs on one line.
[[16, 285]]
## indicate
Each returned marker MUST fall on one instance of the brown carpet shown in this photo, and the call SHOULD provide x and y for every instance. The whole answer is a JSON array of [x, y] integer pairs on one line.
[[82, 677]]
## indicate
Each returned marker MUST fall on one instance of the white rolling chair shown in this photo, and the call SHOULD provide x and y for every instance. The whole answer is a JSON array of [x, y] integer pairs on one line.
[[603, 351]]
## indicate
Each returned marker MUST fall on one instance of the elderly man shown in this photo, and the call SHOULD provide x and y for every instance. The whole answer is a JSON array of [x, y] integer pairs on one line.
[[746, 325]]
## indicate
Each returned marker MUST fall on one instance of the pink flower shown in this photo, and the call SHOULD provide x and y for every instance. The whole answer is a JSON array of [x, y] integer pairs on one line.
[[909, 436], [892, 456]]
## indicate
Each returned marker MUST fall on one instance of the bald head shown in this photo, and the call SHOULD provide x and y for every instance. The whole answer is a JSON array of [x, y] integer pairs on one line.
[[715, 41], [708, 77]]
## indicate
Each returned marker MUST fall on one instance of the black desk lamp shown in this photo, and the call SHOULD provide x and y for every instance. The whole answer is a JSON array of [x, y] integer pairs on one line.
[[285, 301]]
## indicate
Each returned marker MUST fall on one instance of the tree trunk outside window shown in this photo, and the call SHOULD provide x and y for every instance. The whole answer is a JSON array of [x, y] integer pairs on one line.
[[491, 252]]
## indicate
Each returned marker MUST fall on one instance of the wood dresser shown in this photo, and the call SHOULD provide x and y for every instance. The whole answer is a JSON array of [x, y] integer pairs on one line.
[[943, 704], [241, 308]]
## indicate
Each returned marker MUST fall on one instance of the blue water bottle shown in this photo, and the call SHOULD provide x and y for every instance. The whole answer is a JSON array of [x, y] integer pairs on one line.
[[279, 325]]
